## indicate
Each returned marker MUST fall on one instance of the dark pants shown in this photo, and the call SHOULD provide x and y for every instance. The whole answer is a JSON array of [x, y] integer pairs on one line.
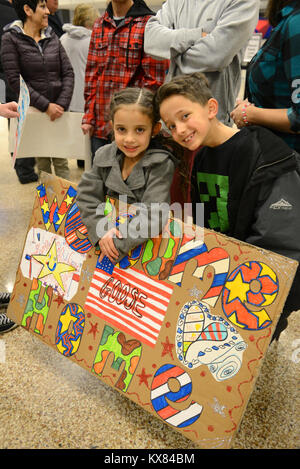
[[97, 143], [25, 169]]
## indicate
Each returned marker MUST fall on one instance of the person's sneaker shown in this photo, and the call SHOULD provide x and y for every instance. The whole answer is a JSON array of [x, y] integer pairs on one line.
[[4, 298], [6, 324]]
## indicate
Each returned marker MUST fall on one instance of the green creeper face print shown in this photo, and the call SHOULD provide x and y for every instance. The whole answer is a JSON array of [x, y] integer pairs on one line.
[[213, 191]]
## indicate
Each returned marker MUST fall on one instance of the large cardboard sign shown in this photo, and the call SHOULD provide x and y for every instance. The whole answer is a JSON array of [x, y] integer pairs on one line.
[[180, 326]]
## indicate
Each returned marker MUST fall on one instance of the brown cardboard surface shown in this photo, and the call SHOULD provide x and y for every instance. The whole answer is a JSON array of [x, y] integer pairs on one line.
[[181, 329]]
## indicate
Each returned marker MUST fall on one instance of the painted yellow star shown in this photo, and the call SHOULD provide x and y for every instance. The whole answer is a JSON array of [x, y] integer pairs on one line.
[[69, 200], [66, 319], [52, 266], [238, 288], [45, 206]]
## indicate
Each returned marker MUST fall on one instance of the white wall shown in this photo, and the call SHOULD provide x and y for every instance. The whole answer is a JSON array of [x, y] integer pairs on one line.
[[101, 4]]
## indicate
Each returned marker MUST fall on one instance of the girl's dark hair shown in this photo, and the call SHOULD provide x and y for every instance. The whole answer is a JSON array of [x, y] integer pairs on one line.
[[19, 7], [140, 96], [273, 8]]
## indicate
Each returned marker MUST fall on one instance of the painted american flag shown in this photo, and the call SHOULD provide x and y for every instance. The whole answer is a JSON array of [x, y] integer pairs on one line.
[[129, 300]]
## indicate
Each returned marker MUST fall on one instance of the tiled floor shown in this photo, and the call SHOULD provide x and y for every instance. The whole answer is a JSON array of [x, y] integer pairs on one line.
[[47, 401]]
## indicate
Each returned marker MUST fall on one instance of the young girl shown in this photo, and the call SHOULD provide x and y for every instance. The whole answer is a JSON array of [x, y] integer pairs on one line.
[[135, 165]]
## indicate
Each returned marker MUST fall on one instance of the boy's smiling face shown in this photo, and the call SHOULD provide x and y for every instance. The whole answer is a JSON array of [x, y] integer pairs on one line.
[[189, 122]]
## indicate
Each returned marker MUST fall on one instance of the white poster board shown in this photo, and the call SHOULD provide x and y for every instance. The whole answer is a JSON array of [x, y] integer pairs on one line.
[[33, 134]]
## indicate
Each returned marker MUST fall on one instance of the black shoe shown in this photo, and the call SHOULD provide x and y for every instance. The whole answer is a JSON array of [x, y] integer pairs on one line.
[[6, 324], [4, 298], [27, 179]]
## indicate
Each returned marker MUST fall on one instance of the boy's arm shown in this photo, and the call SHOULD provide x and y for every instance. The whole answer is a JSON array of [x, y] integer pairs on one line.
[[277, 223], [277, 216]]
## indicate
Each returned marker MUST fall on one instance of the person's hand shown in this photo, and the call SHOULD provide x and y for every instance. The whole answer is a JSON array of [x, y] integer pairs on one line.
[[87, 129], [9, 110], [107, 245], [54, 111], [238, 114]]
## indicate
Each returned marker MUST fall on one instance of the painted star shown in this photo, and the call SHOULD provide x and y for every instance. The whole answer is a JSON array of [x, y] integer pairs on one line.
[[59, 300], [94, 329], [167, 348], [195, 292], [52, 266], [144, 378]]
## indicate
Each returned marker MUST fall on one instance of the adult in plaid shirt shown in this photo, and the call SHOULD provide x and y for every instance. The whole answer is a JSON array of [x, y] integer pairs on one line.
[[117, 60]]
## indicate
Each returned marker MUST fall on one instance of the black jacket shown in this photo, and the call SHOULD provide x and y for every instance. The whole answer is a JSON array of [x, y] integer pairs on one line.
[[56, 24], [45, 68], [264, 201], [7, 15]]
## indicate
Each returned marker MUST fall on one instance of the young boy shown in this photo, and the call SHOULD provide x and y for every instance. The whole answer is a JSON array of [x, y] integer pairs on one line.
[[249, 179]]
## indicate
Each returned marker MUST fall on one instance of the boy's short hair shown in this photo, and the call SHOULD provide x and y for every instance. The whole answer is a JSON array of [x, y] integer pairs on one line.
[[19, 7], [193, 86]]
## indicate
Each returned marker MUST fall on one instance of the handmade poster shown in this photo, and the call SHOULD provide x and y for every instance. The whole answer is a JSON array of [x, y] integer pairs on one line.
[[180, 326], [62, 138], [23, 105]]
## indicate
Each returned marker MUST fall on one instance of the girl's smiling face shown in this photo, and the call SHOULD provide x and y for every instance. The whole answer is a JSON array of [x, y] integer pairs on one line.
[[133, 130], [189, 122]]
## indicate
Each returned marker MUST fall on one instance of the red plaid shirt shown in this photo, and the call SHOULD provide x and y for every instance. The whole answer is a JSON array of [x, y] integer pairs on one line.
[[117, 60]]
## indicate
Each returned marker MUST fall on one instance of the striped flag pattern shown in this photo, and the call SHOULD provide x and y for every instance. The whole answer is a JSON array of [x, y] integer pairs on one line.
[[160, 394], [217, 257], [73, 224], [111, 294]]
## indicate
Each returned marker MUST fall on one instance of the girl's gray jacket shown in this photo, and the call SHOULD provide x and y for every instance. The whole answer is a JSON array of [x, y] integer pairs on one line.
[[147, 186], [206, 36]]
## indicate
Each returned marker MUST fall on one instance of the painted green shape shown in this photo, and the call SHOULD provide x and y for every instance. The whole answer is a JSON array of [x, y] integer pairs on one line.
[[218, 219], [107, 331], [109, 343], [108, 207], [34, 306], [154, 266], [169, 249], [175, 229], [148, 251]]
